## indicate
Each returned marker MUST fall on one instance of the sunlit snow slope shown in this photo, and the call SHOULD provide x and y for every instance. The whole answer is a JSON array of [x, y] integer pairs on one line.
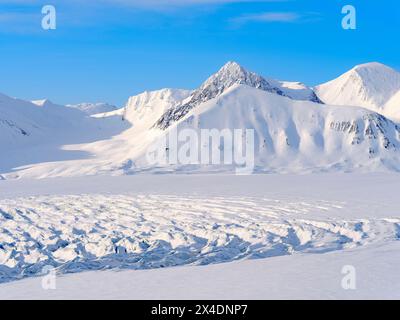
[[372, 86]]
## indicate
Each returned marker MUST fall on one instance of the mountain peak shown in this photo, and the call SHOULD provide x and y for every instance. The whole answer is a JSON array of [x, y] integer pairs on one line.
[[369, 85], [232, 66], [229, 75], [372, 66], [233, 73], [375, 71]]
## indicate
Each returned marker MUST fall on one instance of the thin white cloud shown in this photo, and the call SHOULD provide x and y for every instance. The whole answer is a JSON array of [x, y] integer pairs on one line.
[[153, 5], [25, 14], [277, 17], [142, 3], [182, 2], [269, 17]]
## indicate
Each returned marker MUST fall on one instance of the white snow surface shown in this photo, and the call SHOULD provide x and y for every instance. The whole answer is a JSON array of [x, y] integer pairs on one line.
[[40, 132], [296, 90], [370, 85], [286, 277], [280, 236], [393, 107]]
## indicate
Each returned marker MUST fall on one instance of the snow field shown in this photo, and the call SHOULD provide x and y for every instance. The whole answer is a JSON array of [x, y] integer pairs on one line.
[[102, 231]]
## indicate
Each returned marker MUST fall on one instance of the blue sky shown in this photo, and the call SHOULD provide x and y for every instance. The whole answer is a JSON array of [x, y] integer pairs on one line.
[[107, 50]]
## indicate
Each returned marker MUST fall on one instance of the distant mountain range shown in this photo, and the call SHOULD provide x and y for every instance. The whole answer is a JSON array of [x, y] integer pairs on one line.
[[347, 124]]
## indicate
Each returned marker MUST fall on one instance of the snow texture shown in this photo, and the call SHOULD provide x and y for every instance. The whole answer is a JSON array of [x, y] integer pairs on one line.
[[306, 227], [370, 85]]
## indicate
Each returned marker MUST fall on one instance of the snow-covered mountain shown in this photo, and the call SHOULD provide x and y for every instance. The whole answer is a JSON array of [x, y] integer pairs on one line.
[[41, 131], [231, 74], [293, 130], [93, 108], [41, 121], [373, 86], [23, 122], [293, 136]]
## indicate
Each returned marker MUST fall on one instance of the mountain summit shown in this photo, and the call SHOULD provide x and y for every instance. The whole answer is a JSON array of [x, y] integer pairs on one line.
[[232, 73], [370, 85], [229, 75]]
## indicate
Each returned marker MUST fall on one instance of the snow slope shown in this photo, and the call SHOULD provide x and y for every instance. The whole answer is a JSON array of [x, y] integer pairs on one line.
[[392, 107], [297, 91], [143, 109], [41, 132], [303, 228], [370, 85], [23, 122]]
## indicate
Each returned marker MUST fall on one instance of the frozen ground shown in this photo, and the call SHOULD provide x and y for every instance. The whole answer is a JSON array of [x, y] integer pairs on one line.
[[303, 228]]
